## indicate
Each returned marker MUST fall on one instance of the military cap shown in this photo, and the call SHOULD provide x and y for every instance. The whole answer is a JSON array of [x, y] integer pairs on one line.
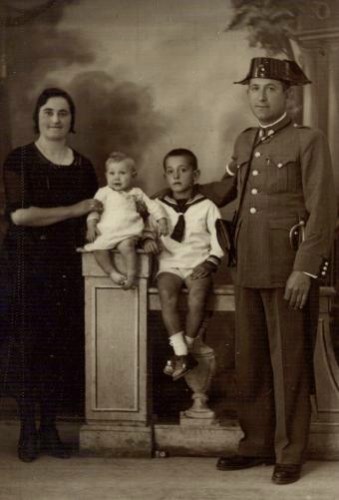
[[276, 69]]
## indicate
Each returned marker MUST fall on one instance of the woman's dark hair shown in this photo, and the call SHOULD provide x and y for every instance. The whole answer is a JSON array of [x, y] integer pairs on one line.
[[183, 152], [43, 98]]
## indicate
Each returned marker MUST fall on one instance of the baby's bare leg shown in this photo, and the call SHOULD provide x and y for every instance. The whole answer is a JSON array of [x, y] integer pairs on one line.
[[103, 258], [127, 250], [198, 291]]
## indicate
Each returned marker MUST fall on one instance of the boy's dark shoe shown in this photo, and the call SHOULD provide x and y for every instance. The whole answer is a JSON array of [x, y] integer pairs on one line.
[[286, 473], [51, 443], [169, 368], [183, 365], [238, 462]]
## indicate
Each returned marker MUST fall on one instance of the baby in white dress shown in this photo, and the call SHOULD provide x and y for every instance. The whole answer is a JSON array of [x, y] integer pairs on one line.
[[120, 225]]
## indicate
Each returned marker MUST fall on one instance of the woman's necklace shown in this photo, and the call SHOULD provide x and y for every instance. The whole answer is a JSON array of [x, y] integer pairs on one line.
[[58, 160]]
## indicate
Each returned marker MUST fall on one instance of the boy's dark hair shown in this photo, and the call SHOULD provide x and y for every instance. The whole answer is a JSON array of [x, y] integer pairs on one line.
[[182, 152], [43, 98]]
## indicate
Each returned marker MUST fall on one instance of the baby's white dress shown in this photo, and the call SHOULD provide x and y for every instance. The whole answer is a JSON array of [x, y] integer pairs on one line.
[[120, 219]]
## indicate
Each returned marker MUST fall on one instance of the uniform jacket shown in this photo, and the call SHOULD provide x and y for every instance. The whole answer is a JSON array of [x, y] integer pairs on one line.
[[290, 179]]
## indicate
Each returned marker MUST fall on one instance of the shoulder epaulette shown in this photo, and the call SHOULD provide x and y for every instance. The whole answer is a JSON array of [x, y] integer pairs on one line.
[[298, 125]]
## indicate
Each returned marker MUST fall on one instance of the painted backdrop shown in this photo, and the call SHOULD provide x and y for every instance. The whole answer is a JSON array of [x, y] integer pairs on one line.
[[146, 75]]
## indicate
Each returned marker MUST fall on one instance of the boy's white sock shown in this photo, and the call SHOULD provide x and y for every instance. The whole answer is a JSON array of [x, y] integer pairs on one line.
[[178, 343], [189, 341]]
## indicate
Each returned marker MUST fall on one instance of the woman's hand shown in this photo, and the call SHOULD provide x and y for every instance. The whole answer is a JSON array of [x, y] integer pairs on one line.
[[86, 206]]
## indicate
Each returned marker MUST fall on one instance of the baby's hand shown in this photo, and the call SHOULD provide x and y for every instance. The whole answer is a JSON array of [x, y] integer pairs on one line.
[[150, 246], [163, 226]]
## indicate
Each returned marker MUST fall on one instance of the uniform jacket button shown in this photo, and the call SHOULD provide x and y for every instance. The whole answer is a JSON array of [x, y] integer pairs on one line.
[[253, 210], [257, 154]]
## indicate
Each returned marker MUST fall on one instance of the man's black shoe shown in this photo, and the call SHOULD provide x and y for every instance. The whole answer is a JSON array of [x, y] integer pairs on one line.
[[51, 444], [238, 462], [286, 473]]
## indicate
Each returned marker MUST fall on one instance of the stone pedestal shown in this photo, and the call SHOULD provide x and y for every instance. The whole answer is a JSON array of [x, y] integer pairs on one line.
[[117, 402], [199, 381]]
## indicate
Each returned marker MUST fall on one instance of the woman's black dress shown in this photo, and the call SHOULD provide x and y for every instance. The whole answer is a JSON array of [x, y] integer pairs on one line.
[[41, 288]]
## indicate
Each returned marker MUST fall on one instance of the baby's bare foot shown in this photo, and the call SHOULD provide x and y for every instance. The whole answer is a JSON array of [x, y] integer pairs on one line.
[[119, 279]]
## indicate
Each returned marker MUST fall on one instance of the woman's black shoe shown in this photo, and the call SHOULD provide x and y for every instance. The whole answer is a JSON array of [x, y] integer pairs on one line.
[[51, 443], [28, 449]]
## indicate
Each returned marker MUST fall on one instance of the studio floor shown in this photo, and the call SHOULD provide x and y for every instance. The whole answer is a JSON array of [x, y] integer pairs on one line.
[[172, 478]]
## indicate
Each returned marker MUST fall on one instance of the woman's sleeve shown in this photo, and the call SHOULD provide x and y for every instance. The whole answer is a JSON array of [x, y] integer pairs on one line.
[[15, 182]]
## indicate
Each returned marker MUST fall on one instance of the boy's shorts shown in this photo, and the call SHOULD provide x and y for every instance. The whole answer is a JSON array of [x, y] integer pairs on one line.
[[182, 272]]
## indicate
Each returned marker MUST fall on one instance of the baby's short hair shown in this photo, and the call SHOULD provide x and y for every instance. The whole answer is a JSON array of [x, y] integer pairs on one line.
[[182, 152], [118, 157]]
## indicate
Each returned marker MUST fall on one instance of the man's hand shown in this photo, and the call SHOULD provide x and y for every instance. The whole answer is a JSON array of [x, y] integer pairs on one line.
[[202, 270], [297, 288], [150, 246]]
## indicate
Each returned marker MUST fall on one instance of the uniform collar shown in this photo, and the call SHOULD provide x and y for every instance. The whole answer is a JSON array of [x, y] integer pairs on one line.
[[268, 131]]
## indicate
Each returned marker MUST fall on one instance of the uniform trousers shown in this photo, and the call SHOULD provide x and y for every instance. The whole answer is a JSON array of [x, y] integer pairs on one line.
[[273, 375]]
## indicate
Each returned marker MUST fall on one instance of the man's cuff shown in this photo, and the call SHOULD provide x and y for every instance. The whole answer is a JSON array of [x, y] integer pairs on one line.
[[310, 275]]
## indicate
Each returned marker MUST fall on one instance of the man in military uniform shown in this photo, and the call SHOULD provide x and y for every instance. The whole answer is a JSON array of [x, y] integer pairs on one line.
[[283, 238]]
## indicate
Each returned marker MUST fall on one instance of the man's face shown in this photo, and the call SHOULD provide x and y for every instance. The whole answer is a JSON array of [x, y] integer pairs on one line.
[[267, 99]]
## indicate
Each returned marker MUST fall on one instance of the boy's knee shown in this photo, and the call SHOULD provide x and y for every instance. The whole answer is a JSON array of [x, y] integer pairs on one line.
[[168, 297]]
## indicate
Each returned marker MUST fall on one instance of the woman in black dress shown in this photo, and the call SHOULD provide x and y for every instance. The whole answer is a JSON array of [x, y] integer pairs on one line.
[[49, 189]]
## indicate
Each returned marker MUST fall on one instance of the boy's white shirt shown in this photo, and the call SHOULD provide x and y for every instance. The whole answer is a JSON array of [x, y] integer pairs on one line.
[[153, 207], [200, 241]]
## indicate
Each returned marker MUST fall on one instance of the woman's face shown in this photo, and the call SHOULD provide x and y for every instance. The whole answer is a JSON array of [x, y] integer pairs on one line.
[[55, 119]]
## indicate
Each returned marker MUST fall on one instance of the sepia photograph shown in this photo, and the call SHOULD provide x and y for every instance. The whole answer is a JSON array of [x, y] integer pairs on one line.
[[169, 261]]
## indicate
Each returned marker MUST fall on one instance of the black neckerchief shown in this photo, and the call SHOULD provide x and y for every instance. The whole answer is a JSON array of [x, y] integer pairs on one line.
[[181, 206]]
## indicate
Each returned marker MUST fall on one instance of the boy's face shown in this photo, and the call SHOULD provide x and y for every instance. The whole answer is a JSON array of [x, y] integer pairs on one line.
[[119, 175], [180, 175]]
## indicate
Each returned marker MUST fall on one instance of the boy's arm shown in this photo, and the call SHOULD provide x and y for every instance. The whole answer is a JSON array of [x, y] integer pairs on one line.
[[216, 252], [211, 264]]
